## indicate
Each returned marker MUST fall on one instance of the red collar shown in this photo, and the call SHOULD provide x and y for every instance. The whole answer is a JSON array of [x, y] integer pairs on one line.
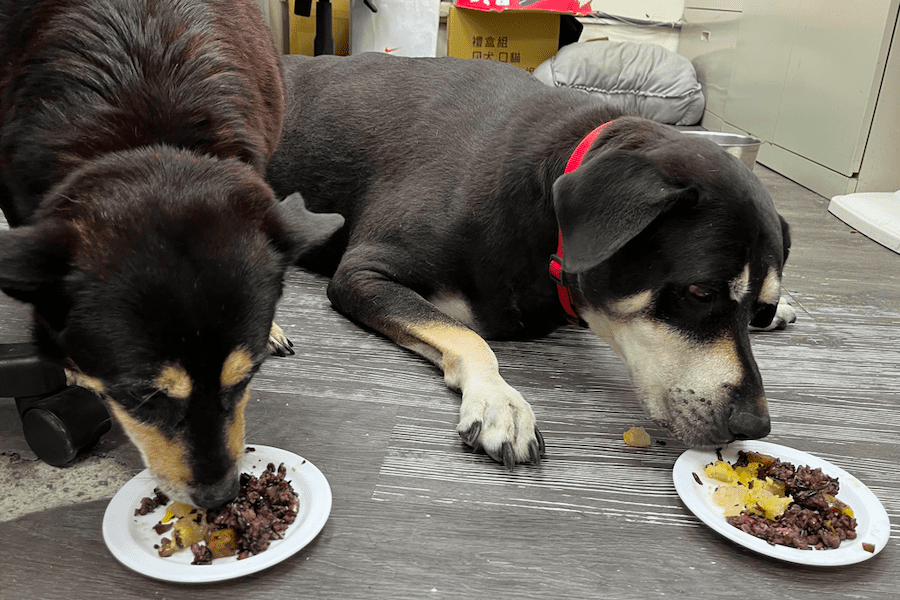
[[556, 272]]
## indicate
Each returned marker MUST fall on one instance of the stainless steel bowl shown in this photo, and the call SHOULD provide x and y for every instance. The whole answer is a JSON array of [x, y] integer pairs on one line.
[[744, 147]]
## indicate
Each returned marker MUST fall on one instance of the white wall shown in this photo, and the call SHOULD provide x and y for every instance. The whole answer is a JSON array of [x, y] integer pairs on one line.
[[663, 11], [649, 10]]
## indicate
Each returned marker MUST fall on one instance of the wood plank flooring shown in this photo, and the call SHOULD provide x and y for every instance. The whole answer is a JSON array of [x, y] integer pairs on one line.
[[417, 515]]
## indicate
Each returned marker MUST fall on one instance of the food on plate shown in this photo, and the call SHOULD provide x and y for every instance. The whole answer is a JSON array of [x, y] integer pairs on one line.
[[742, 489], [784, 505], [148, 505], [263, 510], [637, 437], [187, 524]]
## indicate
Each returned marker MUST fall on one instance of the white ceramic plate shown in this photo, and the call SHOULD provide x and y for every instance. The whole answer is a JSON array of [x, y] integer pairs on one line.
[[872, 524], [130, 538]]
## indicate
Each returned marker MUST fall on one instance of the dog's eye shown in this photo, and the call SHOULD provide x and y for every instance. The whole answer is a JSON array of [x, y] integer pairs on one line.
[[700, 294]]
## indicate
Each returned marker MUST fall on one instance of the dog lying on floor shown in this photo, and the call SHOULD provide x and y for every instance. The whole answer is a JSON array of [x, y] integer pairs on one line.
[[450, 175], [133, 139]]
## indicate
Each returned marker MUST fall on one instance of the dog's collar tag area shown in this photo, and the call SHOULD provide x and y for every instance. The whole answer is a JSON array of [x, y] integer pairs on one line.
[[556, 272], [562, 288]]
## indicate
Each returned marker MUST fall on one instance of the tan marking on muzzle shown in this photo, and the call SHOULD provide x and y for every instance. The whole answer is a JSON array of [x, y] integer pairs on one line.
[[165, 457], [236, 429], [174, 381], [236, 367], [660, 359]]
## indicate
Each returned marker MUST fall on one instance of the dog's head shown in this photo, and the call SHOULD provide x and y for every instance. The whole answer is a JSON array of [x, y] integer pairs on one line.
[[673, 247], [154, 275]]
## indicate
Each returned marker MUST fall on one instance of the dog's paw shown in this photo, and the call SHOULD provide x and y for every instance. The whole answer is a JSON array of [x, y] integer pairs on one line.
[[279, 344], [784, 315], [498, 420]]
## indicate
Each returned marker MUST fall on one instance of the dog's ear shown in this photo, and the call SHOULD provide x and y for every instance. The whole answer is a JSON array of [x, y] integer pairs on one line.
[[608, 201], [786, 239], [33, 263], [303, 231], [30, 260]]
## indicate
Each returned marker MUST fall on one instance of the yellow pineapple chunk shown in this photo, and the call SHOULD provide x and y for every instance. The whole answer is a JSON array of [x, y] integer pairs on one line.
[[189, 528], [177, 510], [834, 503], [772, 485], [774, 506], [188, 531], [721, 471], [222, 542], [730, 497], [743, 491], [762, 459], [746, 474], [637, 436]]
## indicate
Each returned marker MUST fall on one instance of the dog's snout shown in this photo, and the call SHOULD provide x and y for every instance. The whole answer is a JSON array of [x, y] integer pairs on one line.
[[214, 496], [750, 423]]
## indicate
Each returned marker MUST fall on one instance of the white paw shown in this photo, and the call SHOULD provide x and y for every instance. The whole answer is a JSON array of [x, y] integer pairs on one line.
[[279, 344], [496, 418], [784, 314]]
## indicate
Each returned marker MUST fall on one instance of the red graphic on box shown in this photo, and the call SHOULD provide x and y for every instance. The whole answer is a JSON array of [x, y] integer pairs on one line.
[[558, 6]]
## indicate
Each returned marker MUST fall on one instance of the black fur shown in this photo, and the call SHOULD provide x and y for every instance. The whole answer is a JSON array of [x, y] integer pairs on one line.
[[133, 136], [449, 174]]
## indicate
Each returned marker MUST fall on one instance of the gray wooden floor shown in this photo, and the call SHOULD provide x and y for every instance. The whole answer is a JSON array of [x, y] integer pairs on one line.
[[417, 515]]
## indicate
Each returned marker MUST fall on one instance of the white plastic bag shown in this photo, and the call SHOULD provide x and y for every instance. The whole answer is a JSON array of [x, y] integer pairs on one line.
[[401, 27]]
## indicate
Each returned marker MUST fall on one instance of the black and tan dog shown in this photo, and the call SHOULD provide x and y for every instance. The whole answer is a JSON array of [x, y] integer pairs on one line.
[[133, 139], [450, 175]]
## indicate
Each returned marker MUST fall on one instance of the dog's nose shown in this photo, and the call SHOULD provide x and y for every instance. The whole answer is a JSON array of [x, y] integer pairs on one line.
[[219, 494], [749, 424]]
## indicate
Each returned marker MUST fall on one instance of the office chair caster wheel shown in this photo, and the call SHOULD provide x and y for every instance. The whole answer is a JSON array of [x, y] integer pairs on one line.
[[58, 420], [59, 427]]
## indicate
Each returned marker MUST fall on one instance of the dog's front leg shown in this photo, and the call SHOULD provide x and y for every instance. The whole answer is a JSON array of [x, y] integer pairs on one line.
[[493, 415]]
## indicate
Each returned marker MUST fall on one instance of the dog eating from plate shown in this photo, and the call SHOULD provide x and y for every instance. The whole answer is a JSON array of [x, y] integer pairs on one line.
[[464, 184]]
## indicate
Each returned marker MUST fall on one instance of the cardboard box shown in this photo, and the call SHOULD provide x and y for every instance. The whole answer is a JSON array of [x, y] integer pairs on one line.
[[303, 29], [523, 33]]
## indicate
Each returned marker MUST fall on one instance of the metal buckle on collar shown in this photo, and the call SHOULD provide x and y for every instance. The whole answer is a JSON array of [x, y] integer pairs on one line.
[[577, 321], [565, 295]]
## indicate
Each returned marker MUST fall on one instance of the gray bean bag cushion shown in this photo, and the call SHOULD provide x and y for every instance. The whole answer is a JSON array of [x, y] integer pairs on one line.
[[643, 79]]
